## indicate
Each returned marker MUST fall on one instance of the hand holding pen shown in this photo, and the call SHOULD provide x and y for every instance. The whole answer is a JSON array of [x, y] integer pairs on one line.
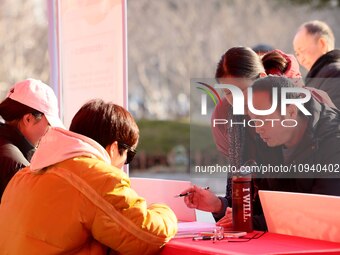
[[202, 199], [188, 193]]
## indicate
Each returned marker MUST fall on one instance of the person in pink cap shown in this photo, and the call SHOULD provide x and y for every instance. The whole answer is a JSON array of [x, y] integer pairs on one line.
[[29, 108]]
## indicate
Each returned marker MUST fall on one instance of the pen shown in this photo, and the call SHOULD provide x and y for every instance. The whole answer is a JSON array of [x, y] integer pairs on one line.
[[235, 234], [188, 193], [197, 238]]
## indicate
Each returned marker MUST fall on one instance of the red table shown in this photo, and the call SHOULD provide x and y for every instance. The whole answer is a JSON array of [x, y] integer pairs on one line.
[[269, 243]]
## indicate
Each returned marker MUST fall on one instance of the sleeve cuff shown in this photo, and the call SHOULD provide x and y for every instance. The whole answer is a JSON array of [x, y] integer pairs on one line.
[[219, 215]]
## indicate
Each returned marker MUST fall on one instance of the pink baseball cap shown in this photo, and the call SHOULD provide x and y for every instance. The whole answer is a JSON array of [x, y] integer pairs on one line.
[[39, 96]]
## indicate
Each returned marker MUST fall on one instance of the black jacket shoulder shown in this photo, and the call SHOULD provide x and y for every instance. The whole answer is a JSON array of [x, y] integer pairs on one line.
[[15, 153], [325, 74], [326, 66]]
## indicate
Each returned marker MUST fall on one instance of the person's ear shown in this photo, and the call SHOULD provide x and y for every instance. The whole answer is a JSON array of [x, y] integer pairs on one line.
[[112, 149], [292, 112], [323, 45], [27, 119], [262, 74]]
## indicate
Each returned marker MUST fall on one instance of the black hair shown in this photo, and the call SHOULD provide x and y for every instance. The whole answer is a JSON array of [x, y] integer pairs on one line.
[[267, 84], [239, 62], [274, 63], [262, 48], [11, 110]]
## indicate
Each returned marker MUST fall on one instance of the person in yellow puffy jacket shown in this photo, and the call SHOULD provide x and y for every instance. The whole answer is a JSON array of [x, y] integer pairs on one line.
[[75, 199]]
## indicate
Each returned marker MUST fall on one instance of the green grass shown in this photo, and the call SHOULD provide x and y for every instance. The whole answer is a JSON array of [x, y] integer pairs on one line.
[[159, 137]]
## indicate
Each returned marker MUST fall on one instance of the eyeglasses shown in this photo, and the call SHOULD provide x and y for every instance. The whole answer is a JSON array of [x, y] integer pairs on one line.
[[130, 152]]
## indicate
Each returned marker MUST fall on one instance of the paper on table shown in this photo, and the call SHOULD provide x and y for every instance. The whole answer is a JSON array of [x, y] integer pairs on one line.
[[166, 190], [190, 229]]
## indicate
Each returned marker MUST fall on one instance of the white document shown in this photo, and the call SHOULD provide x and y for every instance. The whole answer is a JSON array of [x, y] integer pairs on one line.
[[164, 191], [189, 229]]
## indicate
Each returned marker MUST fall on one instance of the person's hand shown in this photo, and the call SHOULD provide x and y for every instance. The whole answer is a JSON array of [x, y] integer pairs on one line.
[[202, 199], [227, 221]]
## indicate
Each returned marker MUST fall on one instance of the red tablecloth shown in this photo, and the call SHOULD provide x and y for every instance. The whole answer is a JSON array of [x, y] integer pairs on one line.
[[269, 243]]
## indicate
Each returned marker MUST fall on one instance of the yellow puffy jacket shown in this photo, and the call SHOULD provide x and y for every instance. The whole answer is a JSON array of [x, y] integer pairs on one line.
[[78, 205]]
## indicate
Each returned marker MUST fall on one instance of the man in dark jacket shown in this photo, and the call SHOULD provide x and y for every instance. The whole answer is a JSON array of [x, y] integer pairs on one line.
[[302, 151], [314, 48], [28, 110], [309, 151]]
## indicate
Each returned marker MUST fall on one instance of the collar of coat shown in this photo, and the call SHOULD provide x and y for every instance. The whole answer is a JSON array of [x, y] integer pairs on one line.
[[14, 136], [326, 59]]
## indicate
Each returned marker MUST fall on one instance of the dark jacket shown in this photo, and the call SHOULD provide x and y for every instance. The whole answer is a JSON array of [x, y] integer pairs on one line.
[[15, 153], [325, 75], [320, 145]]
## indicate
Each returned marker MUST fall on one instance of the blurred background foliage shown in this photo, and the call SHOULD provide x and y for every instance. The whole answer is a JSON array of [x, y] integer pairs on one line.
[[160, 136], [317, 4]]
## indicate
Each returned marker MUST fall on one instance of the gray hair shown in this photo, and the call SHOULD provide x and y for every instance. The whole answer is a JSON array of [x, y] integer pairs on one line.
[[320, 29]]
